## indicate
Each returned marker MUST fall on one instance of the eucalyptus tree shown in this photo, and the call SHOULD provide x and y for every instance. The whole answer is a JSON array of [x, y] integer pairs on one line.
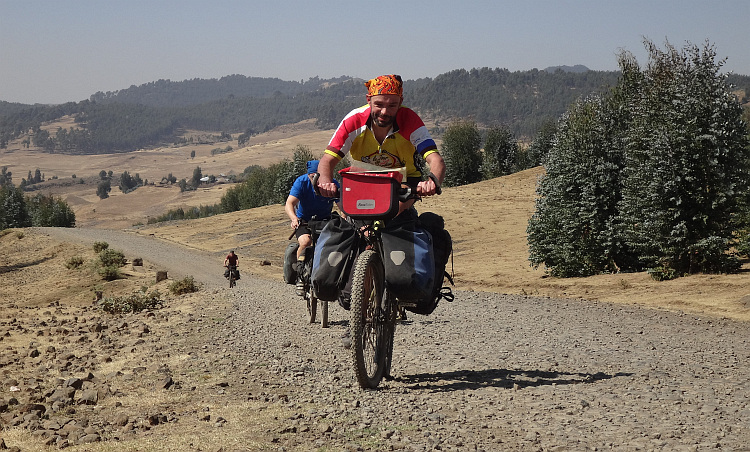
[[461, 150], [686, 169], [500, 153]]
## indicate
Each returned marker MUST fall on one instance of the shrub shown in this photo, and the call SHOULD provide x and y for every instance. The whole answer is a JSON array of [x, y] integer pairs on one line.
[[135, 302], [100, 246], [113, 258], [183, 286], [74, 262], [109, 272]]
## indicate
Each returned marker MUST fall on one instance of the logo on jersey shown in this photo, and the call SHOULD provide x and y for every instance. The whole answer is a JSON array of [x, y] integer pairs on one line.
[[384, 159]]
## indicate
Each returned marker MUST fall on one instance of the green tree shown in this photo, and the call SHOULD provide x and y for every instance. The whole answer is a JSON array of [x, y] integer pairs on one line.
[[126, 182], [652, 175], [103, 189], [500, 153], [195, 181], [461, 151], [13, 211], [6, 177], [687, 164], [572, 231], [540, 147], [47, 211]]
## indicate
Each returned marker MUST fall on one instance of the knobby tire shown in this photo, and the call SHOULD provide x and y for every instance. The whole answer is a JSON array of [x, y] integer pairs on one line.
[[371, 326]]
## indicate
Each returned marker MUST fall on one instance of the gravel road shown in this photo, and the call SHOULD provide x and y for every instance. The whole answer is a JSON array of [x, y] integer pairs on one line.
[[486, 372]]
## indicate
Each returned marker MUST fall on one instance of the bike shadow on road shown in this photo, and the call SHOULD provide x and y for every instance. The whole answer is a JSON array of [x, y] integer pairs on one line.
[[500, 378]]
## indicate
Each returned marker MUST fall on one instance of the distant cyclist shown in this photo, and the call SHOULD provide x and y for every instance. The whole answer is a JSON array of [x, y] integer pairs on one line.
[[303, 205], [230, 262]]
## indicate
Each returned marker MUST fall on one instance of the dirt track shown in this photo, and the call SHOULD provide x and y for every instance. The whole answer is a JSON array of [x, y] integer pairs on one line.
[[486, 372]]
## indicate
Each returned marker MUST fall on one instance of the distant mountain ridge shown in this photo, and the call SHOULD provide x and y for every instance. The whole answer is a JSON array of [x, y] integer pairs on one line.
[[166, 93], [156, 113], [577, 69]]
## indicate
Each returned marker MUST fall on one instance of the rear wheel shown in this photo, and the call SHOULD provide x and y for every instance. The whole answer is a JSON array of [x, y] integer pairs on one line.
[[371, 326], [312, 300], [312, 306]]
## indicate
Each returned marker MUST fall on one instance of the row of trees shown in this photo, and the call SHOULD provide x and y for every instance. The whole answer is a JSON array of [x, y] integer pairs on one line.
[[653, 175], [472, 155], [127, 183], [265, 186], [20, 211]]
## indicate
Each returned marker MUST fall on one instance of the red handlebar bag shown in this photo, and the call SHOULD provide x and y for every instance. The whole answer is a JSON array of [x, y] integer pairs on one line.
[[370, 195]]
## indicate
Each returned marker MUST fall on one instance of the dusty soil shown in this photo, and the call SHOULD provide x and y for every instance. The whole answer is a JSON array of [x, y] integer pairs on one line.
[[608, 362], [242, 369]]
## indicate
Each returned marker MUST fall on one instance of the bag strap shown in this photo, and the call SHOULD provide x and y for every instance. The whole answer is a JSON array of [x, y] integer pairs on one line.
[[447, 293]]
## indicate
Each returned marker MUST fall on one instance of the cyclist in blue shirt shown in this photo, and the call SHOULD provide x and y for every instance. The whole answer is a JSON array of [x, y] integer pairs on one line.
[[303, 205]]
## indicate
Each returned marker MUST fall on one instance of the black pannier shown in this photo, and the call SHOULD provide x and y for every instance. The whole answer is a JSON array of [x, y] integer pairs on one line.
[[290, 257], [332, 259], [442, 247]]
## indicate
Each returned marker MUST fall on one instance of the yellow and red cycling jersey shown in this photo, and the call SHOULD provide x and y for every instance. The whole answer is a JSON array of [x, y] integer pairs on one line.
[[408, 138]]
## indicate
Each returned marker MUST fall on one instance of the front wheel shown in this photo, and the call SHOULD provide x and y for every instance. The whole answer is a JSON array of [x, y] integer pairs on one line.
[[371, 325]]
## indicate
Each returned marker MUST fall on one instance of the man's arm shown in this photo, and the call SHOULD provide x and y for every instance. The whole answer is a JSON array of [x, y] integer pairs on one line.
[[290, 208], [437, 168], [325, 182]]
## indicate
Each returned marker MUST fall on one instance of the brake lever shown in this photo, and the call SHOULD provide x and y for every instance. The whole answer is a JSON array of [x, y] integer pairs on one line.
[[315, 183]]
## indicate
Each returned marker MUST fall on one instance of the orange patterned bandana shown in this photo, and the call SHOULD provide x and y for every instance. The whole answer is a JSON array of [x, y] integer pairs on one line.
[[385, 84]]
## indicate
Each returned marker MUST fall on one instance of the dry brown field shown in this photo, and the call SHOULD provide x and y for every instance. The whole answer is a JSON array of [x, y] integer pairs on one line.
[[487, 220]]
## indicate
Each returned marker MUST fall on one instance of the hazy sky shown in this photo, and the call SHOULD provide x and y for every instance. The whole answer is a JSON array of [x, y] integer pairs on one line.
[[54, 51]]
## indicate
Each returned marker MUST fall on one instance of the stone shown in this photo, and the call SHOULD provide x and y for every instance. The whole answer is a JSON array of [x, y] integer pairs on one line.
[[121, 420], [89, 397]]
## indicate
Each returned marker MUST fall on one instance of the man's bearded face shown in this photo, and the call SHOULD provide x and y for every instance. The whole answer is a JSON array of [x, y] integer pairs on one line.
[[383, 108]]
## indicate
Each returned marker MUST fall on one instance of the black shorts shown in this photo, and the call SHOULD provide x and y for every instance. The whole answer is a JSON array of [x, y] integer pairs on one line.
[[306, 227], [302, 229]]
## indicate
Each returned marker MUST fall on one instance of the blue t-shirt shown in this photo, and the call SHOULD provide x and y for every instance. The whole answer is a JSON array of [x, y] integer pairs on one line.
[[311, 204]]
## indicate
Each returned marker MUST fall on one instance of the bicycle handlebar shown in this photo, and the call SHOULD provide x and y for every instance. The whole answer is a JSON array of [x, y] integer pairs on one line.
[[404, 194]]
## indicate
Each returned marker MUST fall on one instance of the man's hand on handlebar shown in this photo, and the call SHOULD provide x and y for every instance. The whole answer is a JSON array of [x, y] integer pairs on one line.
[[294, 223], [429, 187], [325, 186]]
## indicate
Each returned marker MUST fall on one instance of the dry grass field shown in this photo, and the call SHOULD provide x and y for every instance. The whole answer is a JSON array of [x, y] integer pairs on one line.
[[487, 220]]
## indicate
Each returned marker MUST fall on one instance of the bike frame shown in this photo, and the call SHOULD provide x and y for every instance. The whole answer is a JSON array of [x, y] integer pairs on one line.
[[232, 278], [312, 301]]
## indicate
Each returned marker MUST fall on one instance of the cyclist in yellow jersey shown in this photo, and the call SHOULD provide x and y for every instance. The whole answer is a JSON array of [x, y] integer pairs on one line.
[[387, 134]]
